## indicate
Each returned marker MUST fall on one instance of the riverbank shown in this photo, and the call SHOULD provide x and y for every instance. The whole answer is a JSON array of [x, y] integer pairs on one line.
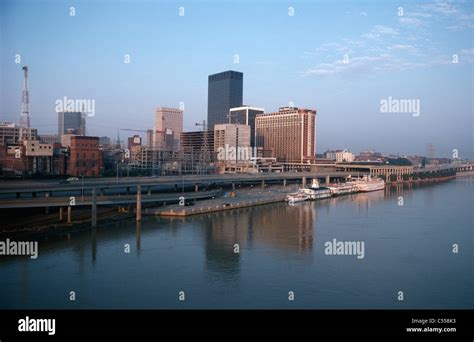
[[41, 222], [425, 180]]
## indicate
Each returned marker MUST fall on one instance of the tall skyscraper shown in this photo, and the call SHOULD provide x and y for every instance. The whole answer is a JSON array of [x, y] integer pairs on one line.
[[71, 122], [169, 119], [246, 115], [224, 92], [289, 133]]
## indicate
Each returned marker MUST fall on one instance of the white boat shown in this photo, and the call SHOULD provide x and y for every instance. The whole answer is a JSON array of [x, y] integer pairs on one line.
[[316, 192], [367, 183], [296, 197], [343, 188]]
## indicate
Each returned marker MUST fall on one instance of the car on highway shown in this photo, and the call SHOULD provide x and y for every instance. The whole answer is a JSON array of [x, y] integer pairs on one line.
[[69, 180]]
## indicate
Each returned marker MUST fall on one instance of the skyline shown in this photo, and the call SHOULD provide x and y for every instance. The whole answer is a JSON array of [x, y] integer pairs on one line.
[[299, 59]]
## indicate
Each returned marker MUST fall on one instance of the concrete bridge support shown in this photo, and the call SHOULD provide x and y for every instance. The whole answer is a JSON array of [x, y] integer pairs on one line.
[[303, 182], [284, 182], [139, 203], [263, 184], [61, 210], [196, 187], [69, 211], [328, 179]]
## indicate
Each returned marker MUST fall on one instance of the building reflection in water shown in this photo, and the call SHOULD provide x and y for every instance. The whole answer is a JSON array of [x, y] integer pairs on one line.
[[94, 245], [138, 236], [365, 200], [400, 189], [280, 226], [287, 227]]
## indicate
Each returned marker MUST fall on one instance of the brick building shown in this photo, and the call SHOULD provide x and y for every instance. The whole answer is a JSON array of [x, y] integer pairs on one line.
[[85, 158]]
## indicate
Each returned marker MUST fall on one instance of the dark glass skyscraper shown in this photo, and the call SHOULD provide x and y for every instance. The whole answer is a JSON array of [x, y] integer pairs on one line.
[[224, 92], [74, 121]]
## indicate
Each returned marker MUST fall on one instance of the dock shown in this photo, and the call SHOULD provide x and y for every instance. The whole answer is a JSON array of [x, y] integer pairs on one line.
[[244, 198]]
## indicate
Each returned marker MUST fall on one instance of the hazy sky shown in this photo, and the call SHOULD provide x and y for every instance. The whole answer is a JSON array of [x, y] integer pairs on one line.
[[339, 57]]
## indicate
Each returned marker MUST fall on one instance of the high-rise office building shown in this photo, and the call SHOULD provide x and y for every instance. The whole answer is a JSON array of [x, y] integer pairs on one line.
[[232, 148], [232, 136], [71, 123], [246, 115], [169, 119], [224, 92], [289, 133]]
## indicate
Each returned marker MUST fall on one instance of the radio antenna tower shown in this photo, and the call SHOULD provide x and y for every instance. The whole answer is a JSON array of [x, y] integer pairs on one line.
[[25, 108]]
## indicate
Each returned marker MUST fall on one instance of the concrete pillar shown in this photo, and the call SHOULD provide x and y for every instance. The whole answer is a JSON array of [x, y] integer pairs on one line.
[[284, 181], [61, 214], [139, 203], [149, 190], [138, 235], [102, 192], [69, 210], [196, 187], [94, 208], [233, 186], [328, 179], [303, 182]]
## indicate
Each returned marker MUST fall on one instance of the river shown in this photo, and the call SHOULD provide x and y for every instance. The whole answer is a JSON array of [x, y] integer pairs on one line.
[[262, 257]]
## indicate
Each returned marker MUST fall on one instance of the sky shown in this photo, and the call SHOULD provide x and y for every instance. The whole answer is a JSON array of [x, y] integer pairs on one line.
[[342, 58]]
